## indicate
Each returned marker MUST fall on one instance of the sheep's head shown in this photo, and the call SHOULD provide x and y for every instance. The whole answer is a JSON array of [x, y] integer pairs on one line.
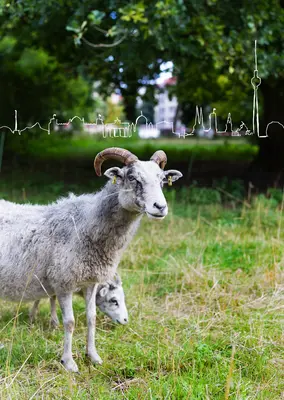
[[139, 183], [110, 300]]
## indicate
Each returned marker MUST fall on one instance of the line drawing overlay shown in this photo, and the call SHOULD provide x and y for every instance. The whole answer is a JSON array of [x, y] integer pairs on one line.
[[119, 129]]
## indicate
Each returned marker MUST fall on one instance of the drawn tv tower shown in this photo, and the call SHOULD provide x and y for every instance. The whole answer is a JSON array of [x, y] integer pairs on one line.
[[255, 81], [16, 122]]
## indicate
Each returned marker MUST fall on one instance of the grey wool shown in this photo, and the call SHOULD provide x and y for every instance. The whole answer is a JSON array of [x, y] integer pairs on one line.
[[57, 248]]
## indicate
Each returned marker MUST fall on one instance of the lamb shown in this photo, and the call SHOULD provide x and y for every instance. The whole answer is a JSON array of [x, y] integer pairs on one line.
[[78, 241], [110, 300]]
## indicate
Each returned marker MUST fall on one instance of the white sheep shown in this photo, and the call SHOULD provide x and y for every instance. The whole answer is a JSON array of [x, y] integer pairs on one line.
[[78, 241], [110, 299]]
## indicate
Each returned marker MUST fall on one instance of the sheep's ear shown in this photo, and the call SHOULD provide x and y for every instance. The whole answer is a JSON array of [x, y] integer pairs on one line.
[[172, 175], [112, 286], [103, 291], [115, 173]]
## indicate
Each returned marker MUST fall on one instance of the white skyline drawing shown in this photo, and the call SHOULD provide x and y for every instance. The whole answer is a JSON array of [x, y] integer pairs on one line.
[[125, 129], [256, 82], [19, 131], [119, 129]]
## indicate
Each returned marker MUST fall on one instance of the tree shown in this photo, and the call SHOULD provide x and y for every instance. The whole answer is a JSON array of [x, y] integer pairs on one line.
[[209, 42]]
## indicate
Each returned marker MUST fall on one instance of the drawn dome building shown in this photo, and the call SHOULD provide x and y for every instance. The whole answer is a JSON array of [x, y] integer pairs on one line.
[[141, 120]]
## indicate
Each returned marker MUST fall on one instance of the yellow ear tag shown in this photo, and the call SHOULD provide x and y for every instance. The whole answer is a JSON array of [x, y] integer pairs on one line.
[[170, 182], [114, 179]]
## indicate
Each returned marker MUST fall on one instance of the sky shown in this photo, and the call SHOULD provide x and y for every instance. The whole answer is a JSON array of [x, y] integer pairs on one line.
[[166, 72]]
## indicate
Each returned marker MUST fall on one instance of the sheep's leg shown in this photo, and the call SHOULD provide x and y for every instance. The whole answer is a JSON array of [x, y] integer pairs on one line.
[[34, 311], [90, 297], [65, 302], [54, 322]]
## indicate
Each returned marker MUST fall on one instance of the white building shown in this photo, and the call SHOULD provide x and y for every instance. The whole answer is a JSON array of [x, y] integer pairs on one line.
[[165, 110]]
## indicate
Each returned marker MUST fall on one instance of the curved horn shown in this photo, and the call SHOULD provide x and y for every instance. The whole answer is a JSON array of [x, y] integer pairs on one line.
[[160, 158], [115, 153]]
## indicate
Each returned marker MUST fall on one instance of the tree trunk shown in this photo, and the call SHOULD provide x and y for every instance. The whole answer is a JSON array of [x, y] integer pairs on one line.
[[129, 101], [129, 94], [176, 117], [2, 140], [268, 167]]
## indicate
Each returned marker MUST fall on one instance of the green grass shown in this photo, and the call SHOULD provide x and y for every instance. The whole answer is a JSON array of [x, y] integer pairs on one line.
[[204, 291], [85, 147]]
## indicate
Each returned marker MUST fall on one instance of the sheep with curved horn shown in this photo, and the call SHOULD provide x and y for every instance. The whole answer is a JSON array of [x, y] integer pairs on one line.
[[78, 241]]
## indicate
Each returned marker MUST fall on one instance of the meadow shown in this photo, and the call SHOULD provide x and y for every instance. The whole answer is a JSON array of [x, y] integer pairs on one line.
[[83, 147], [204, 289]]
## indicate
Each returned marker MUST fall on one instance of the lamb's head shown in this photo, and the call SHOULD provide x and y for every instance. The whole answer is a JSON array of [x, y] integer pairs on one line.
[[110, 300], [139, 183]]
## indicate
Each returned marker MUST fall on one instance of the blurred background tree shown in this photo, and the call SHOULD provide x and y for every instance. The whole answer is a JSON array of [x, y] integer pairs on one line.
[[52, 51]]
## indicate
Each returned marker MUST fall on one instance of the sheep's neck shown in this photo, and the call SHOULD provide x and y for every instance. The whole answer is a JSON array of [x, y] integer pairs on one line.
[[110, 224]]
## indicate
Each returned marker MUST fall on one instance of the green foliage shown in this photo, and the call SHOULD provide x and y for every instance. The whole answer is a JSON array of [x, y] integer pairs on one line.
[[34, 62], [234, 188], [84, 147], [36, 72], [7, 44], [210, 41], [276, 194], [114, 111], [198, 195], [134, 13]]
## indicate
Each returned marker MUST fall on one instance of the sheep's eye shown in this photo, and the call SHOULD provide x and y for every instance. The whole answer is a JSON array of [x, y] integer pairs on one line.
[[131, 178], [114, 301]]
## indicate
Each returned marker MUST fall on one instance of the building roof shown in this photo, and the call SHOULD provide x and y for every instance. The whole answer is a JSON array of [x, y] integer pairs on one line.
[[168, 82]]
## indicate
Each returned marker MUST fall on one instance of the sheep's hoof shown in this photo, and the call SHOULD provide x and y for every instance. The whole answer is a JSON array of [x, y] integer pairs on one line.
[[70, 365], [95, 358], [54, 323]]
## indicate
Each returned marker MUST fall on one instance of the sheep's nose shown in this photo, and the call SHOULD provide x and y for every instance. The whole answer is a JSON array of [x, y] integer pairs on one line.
[[159, 206], [125, 320]]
